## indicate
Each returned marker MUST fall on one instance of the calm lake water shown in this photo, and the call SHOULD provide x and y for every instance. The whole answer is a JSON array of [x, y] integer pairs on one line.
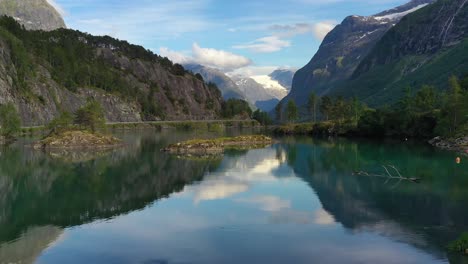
[[294, 202]]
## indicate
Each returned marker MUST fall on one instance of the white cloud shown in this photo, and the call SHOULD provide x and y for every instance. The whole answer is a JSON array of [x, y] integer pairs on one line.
[[218, 189], [321, 29], [214, 58], [57, 7], [175, 56], [265, 45], [218, 58]]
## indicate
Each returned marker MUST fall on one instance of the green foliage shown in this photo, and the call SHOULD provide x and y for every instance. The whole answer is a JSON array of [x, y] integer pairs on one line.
[[291, 111], [235, 107], [9, 120], [326, 106], [90, 116], [77, 59], [178, 69], [279, 112], [460, 245], [456, 109], [61, 123], [262, 117], [312, 106]]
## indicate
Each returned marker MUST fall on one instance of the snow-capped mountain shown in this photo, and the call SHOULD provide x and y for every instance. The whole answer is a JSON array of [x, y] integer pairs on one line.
[[344, 48]]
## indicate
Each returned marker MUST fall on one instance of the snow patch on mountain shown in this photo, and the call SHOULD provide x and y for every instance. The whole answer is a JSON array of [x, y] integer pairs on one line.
[[269, 83], [395, 16]]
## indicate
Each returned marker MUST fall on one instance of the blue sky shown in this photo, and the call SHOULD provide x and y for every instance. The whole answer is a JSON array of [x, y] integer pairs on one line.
[[251, 37]]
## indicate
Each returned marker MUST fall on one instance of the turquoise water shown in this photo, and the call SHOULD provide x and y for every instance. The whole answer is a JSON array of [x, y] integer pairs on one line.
[[296, 201]]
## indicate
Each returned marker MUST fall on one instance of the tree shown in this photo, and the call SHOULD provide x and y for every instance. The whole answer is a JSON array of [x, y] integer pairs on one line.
[[291, 111], [425, 99], [10, 121], [262, 117], [279, 112], [61, 123], [326, 106], [235, 107], [312, 104], [90, 116], [455, 106]]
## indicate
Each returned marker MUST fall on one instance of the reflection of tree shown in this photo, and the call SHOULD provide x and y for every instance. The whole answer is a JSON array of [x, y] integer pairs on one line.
[[435, 208], [36, 190]]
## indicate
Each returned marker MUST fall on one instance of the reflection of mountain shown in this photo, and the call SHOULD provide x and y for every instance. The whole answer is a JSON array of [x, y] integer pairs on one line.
[[38, 191], [29, 245], [427, 216]]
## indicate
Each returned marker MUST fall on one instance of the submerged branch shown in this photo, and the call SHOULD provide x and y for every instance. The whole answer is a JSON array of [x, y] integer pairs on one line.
[[388, 175]]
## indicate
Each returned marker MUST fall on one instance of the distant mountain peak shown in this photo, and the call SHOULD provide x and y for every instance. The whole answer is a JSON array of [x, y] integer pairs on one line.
[[33, 14]]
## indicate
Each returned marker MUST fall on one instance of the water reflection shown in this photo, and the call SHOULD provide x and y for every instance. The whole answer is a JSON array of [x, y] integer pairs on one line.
[[296, 201]]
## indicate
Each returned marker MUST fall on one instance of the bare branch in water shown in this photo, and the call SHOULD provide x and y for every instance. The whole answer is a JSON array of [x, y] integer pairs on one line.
[[389, 176]]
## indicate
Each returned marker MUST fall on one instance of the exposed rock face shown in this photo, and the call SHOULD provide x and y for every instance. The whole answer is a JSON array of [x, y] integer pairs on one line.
[[178, 96], [442, 25], [33, 14], [343, 49], [227, 86]]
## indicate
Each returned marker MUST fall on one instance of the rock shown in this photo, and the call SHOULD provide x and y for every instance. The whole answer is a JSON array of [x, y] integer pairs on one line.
[[33, 14], [218, 145], [78, 140]]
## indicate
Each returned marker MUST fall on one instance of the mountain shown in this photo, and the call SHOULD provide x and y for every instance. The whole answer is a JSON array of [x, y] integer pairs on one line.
[[256, 93], [227, 86], [425, 47], [283, 77], [343, 49], [45, 73], [33, 14]]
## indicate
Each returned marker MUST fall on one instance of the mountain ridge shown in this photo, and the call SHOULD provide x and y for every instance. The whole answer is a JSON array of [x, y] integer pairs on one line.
[[342, 51]]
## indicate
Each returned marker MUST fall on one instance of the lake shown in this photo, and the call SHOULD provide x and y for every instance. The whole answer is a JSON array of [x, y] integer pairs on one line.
[[296, 201]]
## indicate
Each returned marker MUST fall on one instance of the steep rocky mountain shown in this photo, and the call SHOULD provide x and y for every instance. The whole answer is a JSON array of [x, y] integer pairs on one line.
[[45, 73], [33, 14], [425, 47], [227, 86], [256, 93], [343, 49], [283, 77]]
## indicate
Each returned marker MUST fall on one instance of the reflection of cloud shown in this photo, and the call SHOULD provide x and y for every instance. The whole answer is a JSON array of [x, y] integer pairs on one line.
[[268, 203], [322, 217], [291, 217], [214, 190]]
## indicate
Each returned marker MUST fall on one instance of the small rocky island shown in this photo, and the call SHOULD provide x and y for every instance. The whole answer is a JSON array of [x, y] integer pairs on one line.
[[78, 139], [218, 145]]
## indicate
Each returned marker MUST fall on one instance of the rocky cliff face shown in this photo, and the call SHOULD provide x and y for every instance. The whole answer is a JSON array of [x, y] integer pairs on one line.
[[42, 93], [33, 14], [343, 49], [425, 48]]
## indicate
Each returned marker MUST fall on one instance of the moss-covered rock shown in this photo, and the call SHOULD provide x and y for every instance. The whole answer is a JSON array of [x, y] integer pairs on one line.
[[218, 145], [77, 140]]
